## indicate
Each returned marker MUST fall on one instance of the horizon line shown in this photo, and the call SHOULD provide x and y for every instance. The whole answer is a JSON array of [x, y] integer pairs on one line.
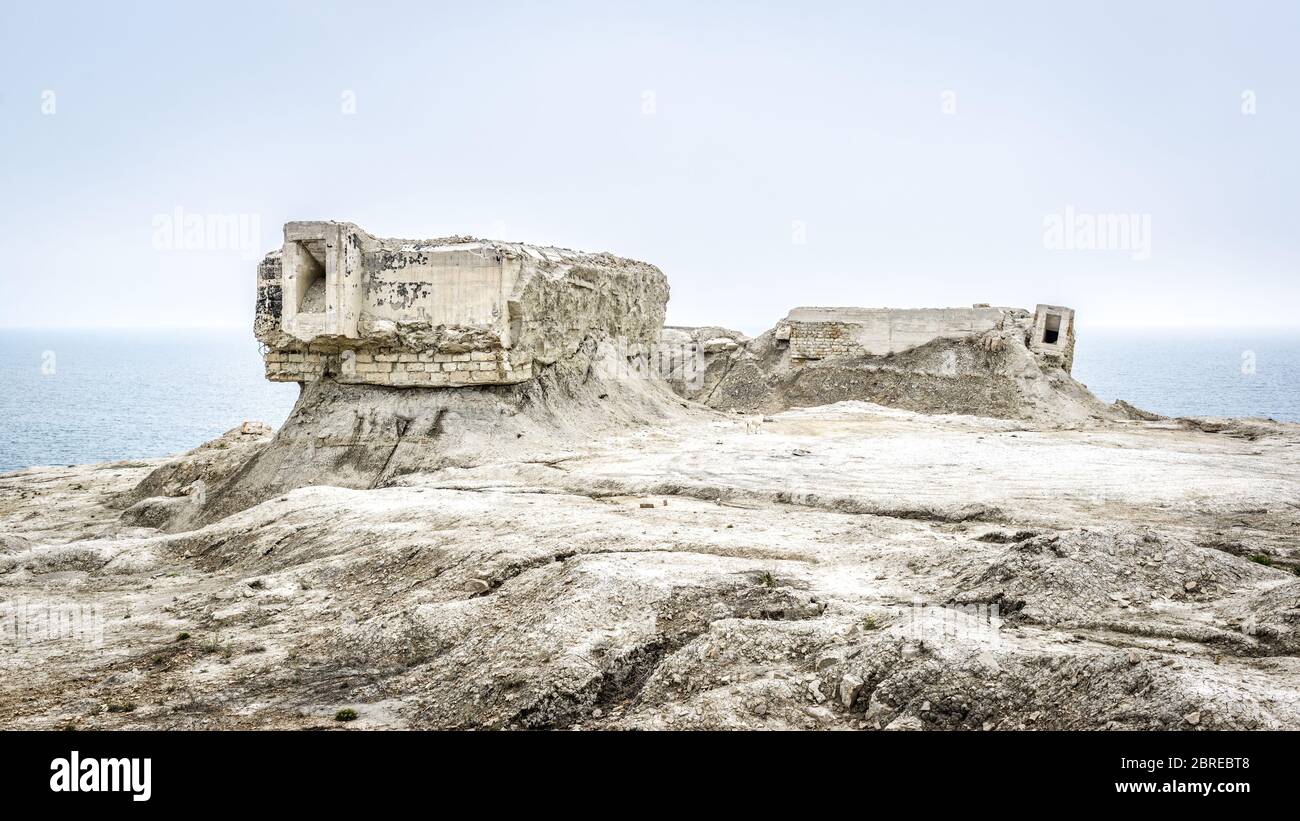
[[248, 326]]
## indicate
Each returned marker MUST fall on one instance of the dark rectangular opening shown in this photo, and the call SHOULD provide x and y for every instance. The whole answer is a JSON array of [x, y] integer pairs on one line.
[[311, 276], [1052, 329]]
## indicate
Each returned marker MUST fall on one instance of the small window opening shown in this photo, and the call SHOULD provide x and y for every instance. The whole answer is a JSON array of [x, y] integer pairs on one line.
[[311, 276], [1052, 329]]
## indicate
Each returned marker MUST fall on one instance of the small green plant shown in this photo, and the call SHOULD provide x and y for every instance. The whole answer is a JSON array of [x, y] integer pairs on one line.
[[766, 580], [182, 636], [216, 645], [869, 623], [128, 707], [346, 714], [1260, 558]]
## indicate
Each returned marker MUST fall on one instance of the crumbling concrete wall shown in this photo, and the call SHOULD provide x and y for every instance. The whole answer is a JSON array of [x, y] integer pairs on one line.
[[449, 312], [982, 360], [817, 333], [823, 333], [1052, 335]]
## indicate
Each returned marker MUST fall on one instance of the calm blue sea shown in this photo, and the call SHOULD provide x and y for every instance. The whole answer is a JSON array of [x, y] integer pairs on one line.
[[76, 396], [71, 397], [1184, 372]]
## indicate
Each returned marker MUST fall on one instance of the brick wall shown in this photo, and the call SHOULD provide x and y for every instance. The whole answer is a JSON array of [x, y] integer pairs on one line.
[[385, 367], [818, 340]]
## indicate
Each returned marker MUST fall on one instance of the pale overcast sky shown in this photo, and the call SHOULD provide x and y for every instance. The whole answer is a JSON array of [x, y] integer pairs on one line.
[[763, 155]]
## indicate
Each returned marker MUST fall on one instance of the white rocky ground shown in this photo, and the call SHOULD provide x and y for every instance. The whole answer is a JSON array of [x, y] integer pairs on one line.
[[838, 567]]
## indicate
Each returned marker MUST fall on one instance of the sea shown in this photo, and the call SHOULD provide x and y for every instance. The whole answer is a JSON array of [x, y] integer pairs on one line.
[[78, 396]]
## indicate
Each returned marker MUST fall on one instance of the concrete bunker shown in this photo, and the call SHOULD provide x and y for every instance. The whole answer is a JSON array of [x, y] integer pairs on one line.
[[1051, 336], [451, 312], [822, 332], [815, 333]]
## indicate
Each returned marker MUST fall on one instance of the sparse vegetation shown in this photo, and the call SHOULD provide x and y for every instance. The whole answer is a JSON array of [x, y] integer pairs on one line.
[[346, 714], [767, 580], [182, 636], [1260, 558], [214, 645], [126, 707]]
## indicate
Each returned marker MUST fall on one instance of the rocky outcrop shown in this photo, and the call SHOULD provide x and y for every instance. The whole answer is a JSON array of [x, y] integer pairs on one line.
[[172, 496]]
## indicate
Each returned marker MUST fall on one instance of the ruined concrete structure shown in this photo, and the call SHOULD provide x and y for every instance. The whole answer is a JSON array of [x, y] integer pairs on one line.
[[456, 311], [1052, 335], [982, 360], [819, 333]]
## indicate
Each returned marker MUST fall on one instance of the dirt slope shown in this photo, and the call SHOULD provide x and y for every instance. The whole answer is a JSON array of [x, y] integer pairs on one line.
[[847, 566]]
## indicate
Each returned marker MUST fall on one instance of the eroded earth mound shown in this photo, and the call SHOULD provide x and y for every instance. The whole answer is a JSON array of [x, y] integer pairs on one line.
[[846, 566], [993, 373]]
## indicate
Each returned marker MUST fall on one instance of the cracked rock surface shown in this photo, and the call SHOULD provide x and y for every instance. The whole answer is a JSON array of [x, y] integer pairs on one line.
[[840, 567]]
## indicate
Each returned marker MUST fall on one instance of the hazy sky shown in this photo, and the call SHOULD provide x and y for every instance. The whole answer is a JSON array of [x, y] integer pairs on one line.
[[763, 155]]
